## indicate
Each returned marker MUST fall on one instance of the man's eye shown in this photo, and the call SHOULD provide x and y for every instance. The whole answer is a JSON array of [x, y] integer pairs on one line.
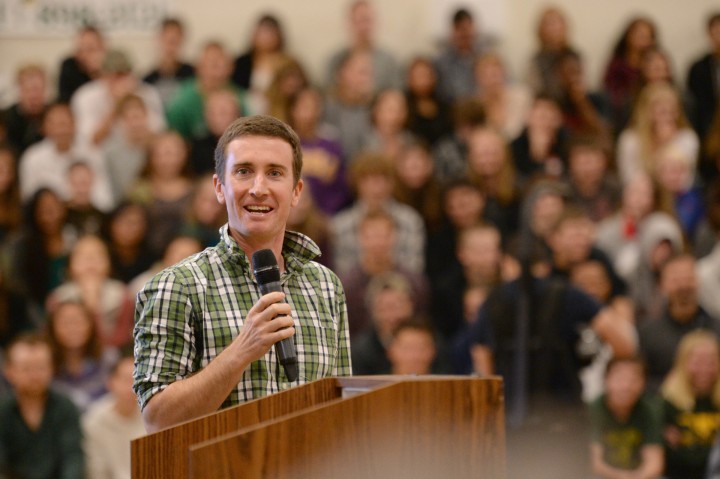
[[242, 171], [275, 173]]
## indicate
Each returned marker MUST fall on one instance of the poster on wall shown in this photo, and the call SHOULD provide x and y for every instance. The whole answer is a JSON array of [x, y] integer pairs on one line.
[[46, 18]]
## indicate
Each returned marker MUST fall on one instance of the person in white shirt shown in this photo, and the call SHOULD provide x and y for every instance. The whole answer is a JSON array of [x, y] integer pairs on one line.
[[46, 163], [94, 105], [111, 423]]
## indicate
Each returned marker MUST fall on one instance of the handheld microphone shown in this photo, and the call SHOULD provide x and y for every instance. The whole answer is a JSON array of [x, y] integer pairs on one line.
[[267, 273]]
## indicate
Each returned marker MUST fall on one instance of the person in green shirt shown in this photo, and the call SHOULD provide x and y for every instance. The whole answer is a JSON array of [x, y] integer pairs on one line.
[[626, 436], [203, 332], [186, 109]]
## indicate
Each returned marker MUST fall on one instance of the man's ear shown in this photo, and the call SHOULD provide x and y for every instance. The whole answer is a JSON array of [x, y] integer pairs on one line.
[[297, 191], [219, 190]]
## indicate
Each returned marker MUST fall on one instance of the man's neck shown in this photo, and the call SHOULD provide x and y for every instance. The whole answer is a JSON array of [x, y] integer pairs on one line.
[[251, 245], [32, 408]]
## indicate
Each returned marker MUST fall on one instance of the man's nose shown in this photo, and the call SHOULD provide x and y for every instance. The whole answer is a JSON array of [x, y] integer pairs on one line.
[[259, 186]]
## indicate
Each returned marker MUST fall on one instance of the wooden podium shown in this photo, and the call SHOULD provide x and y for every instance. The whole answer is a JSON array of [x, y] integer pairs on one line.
[[356, 427]]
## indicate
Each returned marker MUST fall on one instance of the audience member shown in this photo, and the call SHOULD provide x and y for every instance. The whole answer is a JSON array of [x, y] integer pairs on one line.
[[111, 423], [675, 173], [657, 121], [456, 61], [94, 105], [361, 29], [553, 41], [691, 406], [463, 205], [416, 184], [205, 215], [169, 69], [584, 112], [126, 233], [571, 242], [659, 338], [45, 164], [254, 70], [377, 238], [428, 114], [186, 110], [593, 186], [626, 428], [165, 189], [221, 109], [702, 81], [659, 239], [40, 434], [593, 278], [622, 74], [23, 120], [89, 282], [412, 349], [372, 178], [539, 151], [125, 154], [390, 302], [84, 65], [450, 151], [37, 255], [618, 235], [82, 215], [78, 361], [347, 104], [506, 105], [324, 166], [491, 167], [389, 134], [289, 80], [479, 265]]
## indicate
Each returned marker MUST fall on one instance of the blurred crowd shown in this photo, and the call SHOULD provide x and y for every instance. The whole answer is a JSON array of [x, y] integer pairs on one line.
[[449, 198]]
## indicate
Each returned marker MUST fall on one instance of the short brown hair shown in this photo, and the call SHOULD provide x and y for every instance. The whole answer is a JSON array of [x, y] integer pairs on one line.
[[258, 125], [370, 163], [32, 338]]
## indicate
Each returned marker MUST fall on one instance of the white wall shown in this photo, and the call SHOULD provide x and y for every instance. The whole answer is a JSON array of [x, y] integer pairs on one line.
[[315, 28]]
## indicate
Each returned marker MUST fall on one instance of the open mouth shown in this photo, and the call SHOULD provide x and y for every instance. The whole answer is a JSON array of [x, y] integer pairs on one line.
[[258, 209]]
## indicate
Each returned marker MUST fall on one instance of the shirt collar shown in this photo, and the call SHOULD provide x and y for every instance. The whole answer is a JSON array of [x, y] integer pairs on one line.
[[297, 250]]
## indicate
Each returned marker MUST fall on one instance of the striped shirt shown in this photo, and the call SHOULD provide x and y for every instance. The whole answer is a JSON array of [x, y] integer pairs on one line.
[[188, 313]]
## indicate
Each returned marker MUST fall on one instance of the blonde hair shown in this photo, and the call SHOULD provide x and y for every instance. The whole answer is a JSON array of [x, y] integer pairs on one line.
[[677, 387], [642, 121]]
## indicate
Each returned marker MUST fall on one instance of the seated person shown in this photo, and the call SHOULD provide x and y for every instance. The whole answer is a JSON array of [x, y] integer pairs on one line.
[[39, 429], [626, 433], [412, 349]]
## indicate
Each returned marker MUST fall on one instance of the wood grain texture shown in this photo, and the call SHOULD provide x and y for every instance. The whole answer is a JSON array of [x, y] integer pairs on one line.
[[419, 427], [415, 429]]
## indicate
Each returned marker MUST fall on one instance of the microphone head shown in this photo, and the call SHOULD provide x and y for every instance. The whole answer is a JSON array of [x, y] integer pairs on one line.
[[265, 266]]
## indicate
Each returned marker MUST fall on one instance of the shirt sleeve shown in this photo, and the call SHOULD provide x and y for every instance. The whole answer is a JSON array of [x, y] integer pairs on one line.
[[164, 337], [343, 365]]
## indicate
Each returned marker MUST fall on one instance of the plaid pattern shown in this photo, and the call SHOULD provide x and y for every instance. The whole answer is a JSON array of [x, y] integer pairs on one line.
[[188, 313]]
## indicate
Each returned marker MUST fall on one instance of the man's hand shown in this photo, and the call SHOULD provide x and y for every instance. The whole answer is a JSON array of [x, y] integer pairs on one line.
[[267, 322]]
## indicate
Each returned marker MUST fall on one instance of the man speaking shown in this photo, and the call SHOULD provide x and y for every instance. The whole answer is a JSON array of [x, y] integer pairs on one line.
[[204, 333]]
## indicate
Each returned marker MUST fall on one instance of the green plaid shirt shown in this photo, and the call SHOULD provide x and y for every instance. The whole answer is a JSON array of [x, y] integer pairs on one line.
[[188, 313]]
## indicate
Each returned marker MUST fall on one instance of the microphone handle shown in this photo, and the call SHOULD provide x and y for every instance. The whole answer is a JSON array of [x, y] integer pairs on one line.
[[285, 349]]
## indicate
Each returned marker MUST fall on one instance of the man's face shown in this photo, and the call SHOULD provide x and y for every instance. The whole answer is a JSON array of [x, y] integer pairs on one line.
[[574, 239], [258, 190], [29, 369], [679, 282]]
